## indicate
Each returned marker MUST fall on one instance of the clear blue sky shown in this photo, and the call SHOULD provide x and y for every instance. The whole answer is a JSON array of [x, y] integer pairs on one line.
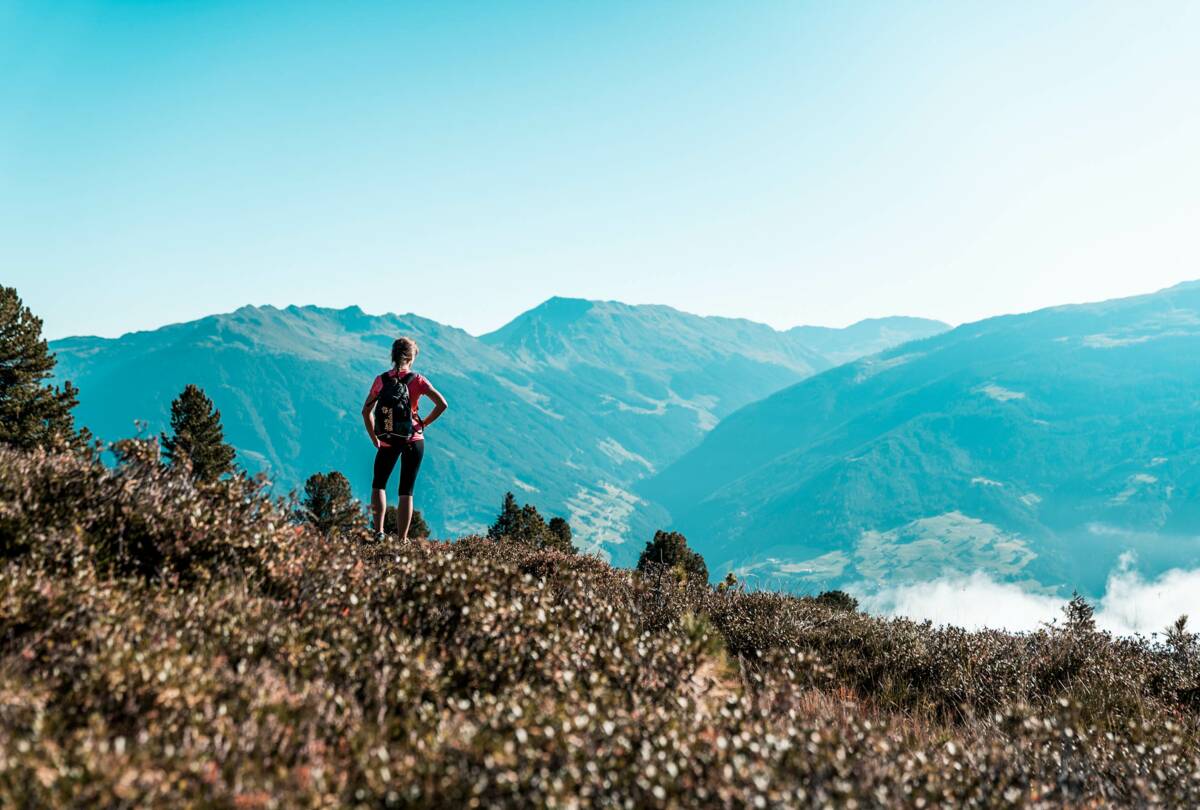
[[787, 162]]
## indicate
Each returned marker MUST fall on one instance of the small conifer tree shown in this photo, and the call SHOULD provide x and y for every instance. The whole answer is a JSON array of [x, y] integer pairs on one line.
[[525, 525], [560, 535], [670, 549], [328, 505], [197, 436], [508, 521], [32, 413], [1080, 613], [1181, 642]]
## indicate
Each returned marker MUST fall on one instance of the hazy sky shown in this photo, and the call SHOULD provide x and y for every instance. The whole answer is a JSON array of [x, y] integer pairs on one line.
[[787, 162]]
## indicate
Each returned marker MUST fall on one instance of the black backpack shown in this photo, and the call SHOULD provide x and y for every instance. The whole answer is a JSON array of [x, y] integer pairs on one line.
[[393, 410]]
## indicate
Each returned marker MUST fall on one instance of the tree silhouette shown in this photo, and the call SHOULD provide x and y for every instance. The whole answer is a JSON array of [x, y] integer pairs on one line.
[[838, 600], [197, 436], [1080, 613], [560, 535], [525, 525], [670, 549], [1181, 642], [32, 413], [328, 505], [508, 521]]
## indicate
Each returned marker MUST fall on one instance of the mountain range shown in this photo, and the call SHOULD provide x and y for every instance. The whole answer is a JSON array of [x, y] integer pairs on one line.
[[1041, 448], [570, 405]]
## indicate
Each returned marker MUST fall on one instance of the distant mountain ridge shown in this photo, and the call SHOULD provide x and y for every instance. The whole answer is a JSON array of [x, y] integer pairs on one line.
[[1037, 447], [569, 405]]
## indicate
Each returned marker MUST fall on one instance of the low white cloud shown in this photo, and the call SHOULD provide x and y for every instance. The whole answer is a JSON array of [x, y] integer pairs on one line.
[[1131, 603], [973, 602]]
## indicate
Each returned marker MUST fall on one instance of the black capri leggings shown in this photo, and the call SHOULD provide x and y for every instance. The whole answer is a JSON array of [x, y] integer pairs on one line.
[[409, 454]]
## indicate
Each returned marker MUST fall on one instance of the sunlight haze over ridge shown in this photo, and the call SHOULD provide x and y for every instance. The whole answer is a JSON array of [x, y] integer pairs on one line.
[[792, 163]]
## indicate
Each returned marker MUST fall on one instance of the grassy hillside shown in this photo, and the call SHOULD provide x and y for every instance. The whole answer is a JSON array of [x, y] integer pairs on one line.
[[569, 405], [168, 646], [1034, 447]]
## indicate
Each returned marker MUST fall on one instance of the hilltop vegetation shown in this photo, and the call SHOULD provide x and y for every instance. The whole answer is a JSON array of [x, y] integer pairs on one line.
[[166, 641]]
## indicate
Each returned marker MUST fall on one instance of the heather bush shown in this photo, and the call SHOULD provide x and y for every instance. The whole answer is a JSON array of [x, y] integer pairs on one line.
[[139, 517], [169, 643]]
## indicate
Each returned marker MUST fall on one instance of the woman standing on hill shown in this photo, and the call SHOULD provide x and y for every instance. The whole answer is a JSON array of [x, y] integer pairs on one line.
[[398, 431]]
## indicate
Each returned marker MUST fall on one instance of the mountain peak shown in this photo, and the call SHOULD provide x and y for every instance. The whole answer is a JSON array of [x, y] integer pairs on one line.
[[558, 308]]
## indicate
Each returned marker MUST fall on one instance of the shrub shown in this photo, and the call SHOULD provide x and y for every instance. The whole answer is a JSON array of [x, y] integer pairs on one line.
[[62, 512]]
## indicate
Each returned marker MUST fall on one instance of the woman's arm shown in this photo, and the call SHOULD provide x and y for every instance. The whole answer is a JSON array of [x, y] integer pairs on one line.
[[368, 413], [439, 406]]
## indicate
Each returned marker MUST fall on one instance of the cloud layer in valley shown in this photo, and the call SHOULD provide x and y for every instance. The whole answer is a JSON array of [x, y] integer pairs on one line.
[[1131, 603]]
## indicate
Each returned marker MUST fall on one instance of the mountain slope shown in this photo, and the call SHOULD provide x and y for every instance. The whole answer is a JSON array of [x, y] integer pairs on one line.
[[688, 371], [569, 405], [1037, 446]]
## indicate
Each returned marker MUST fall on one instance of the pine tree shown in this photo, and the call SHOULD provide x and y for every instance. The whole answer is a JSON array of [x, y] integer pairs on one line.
[[560, 535], [1080, 613], [328, 505], [670, 549], [1181, 642], [197, 436], [32, 413], [508, 521], [525, 525]]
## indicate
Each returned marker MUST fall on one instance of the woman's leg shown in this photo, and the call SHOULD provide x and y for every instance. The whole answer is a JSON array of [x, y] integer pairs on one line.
[[404, 513], [378, 509], [410, 464], [385, 462]]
